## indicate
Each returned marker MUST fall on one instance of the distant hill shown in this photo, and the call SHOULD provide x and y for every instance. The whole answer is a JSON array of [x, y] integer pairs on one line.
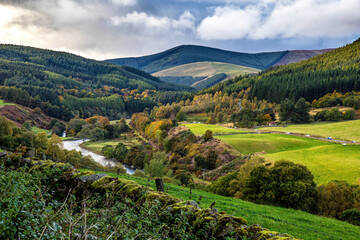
[[203, 74], [185, 54], [187, 58], [64, 85], [311, 79]]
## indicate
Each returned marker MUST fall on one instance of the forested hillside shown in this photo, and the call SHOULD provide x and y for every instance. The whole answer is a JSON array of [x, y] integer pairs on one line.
[[65, 85], [336, 70]]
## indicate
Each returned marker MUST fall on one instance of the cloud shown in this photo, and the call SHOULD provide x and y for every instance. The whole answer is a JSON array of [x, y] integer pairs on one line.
[[270, 19], [96, 28], [229, 22]]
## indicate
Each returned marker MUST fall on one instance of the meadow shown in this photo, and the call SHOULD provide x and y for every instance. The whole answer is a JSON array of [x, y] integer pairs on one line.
[[294, 222], [346, 130], [327, 161], [200, 129], [96, 147]]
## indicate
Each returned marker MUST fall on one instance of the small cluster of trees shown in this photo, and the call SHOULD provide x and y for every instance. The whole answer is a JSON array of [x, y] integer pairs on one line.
[[96, 128], [334, 115], [295, 112], [290, 185], [248, 117], [187, 153]]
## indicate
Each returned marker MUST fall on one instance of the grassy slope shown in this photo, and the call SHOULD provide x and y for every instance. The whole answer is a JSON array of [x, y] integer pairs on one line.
[[349, 130], [2, 103], [233, 70], [327, 161], [236, 207], [36, 130], [200, 129], [204, 69], [202, 74]]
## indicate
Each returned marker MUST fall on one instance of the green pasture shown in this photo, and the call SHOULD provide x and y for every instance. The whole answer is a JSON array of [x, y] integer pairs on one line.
[[252, 213], [201, 128], [327, 161], [269, 143], [346, 130]]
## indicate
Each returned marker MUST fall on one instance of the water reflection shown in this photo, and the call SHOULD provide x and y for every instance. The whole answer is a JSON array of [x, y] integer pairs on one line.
[[75, 145]]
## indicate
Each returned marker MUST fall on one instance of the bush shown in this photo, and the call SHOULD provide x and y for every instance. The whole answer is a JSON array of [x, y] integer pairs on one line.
[[208, 135], [333, 115], [221, 185], [286, 184], [334, 198], [351, 216], [349, 115]]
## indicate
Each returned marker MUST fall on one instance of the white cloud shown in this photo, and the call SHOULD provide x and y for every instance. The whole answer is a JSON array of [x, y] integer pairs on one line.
[[124, 2], [283, 19], [229, 22], [142, 21]]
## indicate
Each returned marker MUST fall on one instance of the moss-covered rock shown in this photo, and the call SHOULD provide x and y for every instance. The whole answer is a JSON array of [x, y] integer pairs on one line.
[[163, 198]]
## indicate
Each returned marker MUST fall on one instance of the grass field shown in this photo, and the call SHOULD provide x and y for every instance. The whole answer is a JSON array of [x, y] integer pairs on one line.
[[200, 129], [232, 69], [36, 130], [346, 130], [269, 143], [205, 69], [327, 161], [2, 103], [246, 210], [98, 145]]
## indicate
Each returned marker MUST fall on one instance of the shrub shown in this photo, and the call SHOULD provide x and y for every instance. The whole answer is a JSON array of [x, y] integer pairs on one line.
[[351, 216], [334, 198], [349, 115], [208, 135], [285, 184], [333, 115]]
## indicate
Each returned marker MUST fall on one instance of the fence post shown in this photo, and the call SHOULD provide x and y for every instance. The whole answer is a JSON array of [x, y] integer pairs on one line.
[[159, 184]]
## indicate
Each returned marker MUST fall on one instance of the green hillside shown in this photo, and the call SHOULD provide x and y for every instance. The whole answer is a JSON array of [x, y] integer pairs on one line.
[[327, 161], [185, 54], [295, 222], [335, 70], [64, 85], [345, 130]]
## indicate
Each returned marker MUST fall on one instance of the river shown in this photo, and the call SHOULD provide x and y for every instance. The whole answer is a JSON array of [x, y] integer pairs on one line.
[[75, 145]]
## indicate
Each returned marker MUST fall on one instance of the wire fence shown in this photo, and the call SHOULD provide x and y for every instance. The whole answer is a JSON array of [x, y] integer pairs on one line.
[[152, 183]]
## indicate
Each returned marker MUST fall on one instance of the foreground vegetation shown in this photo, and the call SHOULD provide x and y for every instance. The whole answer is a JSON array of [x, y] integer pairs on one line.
[[254, 213], [48, 200]]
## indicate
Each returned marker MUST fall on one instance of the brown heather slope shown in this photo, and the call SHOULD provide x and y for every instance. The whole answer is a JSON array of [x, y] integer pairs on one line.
[[19, 114], [299, 55]]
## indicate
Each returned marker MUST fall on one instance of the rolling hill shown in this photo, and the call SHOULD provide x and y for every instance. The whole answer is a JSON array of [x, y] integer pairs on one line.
[[181, 64], [64, 85]]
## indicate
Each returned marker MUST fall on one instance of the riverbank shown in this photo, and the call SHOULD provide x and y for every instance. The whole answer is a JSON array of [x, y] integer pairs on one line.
[[77, 145]]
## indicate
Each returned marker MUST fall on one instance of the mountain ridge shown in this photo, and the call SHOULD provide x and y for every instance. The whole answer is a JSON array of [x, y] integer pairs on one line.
[[184, 54]]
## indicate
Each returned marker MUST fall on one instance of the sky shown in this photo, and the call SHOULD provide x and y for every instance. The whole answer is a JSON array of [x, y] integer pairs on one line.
[[103, 29]]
